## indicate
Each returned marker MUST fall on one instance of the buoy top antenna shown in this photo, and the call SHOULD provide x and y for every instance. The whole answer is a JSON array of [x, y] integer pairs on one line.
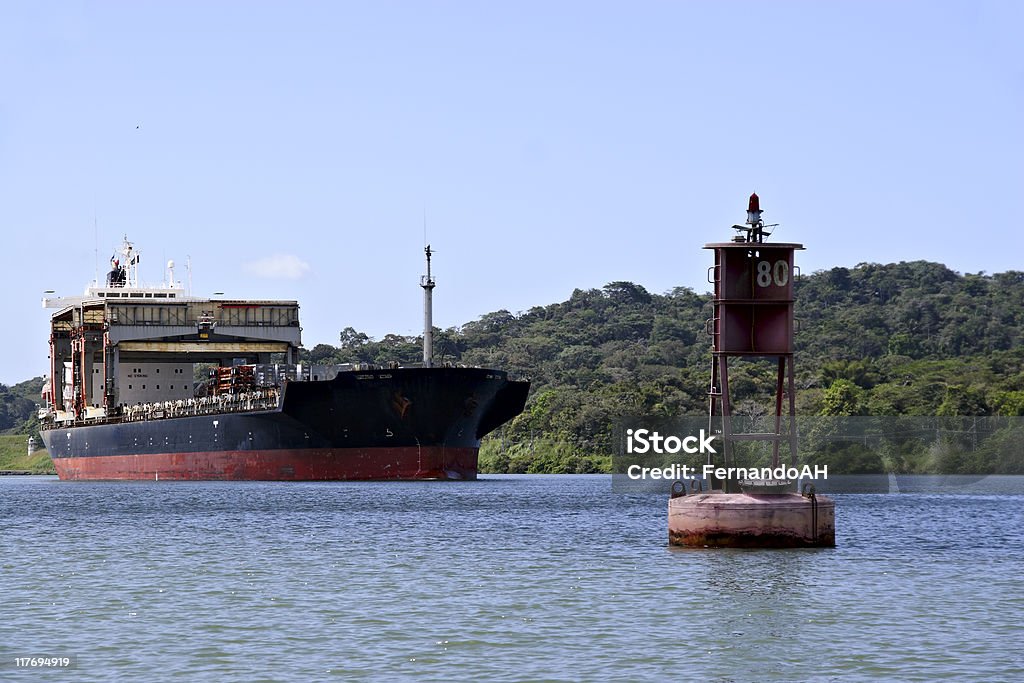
[[755, 227]]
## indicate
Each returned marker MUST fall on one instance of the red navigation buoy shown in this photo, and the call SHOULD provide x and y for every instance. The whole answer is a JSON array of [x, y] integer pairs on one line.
[[753, 317]]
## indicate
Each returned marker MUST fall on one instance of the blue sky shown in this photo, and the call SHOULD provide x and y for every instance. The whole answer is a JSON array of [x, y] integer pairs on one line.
[[291, 149]]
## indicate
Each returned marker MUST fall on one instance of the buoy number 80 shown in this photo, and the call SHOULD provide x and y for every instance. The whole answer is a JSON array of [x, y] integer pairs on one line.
[[767, 274]]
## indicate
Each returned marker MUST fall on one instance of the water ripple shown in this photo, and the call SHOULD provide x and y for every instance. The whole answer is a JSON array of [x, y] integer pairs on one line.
[[506, 579]]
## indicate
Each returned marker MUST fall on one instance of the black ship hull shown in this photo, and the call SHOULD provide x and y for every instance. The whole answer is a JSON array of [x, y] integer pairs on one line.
[[403, 423]]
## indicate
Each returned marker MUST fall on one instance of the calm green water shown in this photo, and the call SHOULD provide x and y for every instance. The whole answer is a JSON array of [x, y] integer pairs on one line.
[[508, 578]]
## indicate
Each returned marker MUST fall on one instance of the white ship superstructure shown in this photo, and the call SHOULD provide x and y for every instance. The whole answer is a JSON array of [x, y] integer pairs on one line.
[[124, 343]]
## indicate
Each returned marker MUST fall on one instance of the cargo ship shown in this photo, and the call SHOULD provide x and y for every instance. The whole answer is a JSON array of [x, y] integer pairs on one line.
[[153, 383]]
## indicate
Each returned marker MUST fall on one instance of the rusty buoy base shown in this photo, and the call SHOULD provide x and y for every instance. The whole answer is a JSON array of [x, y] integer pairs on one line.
[[741, 520]]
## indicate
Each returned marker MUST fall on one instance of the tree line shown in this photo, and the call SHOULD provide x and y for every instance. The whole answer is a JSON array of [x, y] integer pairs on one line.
[[910, 339], [905, 339]]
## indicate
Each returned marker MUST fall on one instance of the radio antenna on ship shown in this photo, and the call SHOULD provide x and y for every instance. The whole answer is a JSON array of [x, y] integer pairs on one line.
[[427, 283]]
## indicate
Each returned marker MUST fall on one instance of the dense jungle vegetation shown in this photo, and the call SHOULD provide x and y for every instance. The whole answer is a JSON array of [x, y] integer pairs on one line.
[[904, 339], [909, 339]]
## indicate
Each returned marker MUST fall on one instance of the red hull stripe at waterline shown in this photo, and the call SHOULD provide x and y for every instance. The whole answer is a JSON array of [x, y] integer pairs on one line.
[[279, 464]]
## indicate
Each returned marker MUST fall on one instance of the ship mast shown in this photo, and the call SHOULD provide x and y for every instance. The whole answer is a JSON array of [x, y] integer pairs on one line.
[[427, 283]]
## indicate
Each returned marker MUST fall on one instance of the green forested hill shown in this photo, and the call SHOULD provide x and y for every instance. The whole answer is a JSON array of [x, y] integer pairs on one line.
[[18, 405], [899, 339], [18, 421]]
